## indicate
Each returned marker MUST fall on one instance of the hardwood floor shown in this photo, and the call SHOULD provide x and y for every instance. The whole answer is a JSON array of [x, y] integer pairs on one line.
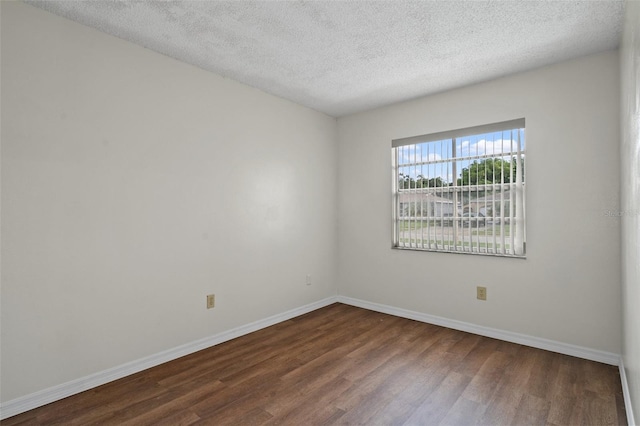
[[345, 365]]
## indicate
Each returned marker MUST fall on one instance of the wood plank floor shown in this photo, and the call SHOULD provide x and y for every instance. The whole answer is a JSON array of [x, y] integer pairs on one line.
[[345, 365]]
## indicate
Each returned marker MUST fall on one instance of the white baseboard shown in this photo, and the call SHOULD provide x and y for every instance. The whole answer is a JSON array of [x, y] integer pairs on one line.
[[522, 339], [626, 395], [46, 396], [55, 393]]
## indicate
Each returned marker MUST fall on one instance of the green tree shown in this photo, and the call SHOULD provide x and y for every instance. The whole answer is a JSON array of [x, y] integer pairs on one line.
[[491, 170], [423, 182], [406, 182]]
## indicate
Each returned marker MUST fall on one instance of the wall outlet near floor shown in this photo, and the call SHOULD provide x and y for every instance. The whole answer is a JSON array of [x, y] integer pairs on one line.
[[481, 293], [308, 279], [211, 301]]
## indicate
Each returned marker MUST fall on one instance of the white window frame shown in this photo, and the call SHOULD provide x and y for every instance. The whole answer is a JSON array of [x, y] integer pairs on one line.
[[417, 219]]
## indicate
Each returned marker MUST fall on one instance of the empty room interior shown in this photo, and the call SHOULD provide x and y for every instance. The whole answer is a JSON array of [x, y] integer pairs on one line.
[[290, 212]]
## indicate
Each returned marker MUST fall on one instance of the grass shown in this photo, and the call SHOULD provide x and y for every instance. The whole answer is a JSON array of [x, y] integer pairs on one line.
[[488, 231], [410, 225]]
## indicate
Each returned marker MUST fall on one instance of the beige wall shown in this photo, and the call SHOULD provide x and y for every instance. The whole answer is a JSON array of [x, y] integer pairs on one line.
[[630, 156], [568, 288], [132, 186]]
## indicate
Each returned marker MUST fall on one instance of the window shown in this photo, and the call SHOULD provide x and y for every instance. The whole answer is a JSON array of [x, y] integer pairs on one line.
[[461, 191]]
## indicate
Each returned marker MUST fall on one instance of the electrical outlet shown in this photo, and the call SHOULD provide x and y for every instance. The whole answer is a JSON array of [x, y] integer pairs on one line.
[[211, 301], [308, 279], [482, 293]]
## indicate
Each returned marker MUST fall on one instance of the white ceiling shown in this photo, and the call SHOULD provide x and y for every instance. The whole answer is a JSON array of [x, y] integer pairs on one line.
[[342, 57]]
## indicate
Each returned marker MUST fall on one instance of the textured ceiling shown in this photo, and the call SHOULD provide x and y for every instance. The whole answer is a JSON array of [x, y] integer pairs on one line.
[[345, 57]]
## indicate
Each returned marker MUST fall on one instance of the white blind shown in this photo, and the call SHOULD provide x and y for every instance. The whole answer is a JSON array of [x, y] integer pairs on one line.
[[462, 191]]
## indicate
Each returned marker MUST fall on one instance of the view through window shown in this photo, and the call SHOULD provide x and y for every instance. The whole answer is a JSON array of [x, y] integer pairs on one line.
[[461, 191]]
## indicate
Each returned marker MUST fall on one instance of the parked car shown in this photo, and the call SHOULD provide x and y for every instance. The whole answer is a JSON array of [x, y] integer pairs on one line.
[[445, 220], [497, 220], [472, 219]]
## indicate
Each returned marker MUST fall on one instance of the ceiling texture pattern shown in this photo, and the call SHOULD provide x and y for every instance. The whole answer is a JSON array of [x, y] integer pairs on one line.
[[343, 57]]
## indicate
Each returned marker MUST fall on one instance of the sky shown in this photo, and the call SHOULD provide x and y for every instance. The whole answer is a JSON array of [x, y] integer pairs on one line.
[[467, 149]]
